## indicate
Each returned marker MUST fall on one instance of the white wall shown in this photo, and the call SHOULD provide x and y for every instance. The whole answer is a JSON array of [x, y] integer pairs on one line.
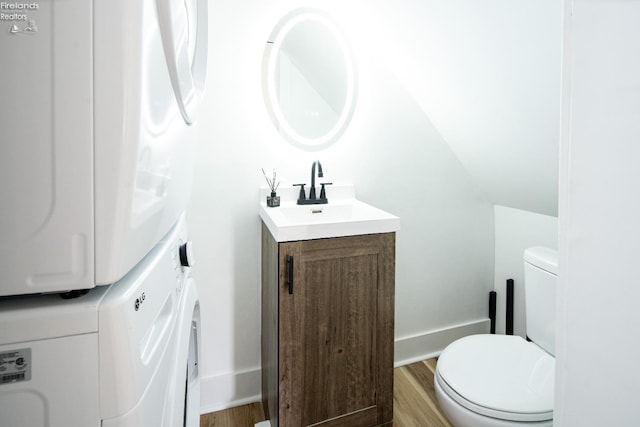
[[597, 370], [394, 152], [487, 73]]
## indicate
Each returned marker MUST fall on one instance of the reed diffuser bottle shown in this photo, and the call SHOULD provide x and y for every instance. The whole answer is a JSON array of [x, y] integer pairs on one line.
[[273, 200]]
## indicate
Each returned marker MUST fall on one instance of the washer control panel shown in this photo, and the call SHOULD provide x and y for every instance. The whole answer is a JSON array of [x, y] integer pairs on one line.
[[186, 255], [182, 258]]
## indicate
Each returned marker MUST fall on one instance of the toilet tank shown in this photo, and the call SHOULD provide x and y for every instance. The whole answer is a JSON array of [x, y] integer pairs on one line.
[[540, 279]]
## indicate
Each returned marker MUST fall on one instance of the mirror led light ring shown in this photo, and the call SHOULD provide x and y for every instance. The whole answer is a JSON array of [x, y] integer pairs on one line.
[[282, 30]]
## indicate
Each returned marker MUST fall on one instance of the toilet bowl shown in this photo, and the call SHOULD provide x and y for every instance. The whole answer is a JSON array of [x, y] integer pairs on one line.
[[504, 380], [495, 381]]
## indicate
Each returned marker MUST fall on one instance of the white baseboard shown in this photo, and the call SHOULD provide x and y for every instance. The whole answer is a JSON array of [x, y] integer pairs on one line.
[[431, 343], [232, 389], [228, 390]]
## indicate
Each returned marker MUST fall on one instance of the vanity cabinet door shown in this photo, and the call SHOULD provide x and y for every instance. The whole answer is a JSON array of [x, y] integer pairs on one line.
[[335, 330]]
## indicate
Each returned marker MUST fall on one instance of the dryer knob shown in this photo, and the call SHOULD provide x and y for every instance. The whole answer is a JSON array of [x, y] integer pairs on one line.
[[186, 255]]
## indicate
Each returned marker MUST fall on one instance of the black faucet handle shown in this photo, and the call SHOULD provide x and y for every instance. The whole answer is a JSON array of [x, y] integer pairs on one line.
[[302, 195], [323, 194]]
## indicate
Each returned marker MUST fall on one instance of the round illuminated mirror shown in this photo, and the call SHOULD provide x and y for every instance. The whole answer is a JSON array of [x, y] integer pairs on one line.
[[309, 79]]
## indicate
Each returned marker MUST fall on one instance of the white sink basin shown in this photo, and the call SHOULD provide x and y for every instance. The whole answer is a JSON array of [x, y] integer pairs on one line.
[[342, 217]]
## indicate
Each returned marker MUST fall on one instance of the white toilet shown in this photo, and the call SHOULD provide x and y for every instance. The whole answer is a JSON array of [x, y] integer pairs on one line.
[[504, 380]]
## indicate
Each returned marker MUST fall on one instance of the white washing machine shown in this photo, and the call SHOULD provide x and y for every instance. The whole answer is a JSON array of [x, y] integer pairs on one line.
[[97, 148], [124, 355]]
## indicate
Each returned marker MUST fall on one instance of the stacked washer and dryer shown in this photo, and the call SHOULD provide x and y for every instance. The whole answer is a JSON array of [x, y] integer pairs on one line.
[[99, 315]]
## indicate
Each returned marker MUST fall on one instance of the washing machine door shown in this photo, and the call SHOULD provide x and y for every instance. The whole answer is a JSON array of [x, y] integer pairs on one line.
[[183, 27]]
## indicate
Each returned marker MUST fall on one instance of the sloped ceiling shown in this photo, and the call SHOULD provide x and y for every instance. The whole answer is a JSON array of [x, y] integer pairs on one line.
[[487, 73]]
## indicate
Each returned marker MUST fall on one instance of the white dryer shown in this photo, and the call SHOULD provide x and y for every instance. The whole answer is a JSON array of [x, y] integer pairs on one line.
[[97, 148], [124, 355]]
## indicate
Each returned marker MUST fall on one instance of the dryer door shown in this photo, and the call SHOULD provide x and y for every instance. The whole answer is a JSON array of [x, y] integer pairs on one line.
[[183, 27], [150, 64]]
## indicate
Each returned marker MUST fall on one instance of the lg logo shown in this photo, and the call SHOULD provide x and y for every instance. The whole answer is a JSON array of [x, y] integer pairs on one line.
[[139, 301]]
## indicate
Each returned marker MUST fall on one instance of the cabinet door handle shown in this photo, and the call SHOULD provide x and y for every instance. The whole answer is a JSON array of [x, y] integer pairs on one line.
[[290, 266]]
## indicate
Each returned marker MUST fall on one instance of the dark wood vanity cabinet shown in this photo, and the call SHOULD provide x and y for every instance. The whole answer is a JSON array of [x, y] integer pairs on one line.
[[327, 330]]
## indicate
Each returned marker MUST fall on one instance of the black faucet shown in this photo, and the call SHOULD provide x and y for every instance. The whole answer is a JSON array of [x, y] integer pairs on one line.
[[313, 200]]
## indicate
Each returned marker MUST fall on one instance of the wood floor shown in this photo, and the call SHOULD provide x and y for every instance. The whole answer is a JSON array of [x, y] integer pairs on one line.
[[414, 402]]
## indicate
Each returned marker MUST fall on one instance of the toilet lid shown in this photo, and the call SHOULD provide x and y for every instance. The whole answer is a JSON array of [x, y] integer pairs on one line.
[[502, 376]]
